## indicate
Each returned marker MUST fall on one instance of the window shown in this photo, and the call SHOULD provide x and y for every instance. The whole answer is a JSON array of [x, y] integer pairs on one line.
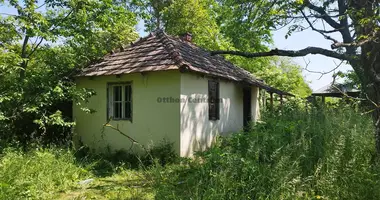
[[213, 101], [120, 101]]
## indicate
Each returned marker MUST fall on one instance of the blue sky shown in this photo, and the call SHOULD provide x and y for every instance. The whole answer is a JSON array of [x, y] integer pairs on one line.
[[318, 63], [295, 41]]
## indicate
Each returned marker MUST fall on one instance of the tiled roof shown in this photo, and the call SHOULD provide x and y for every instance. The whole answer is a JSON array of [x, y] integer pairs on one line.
[[159, 51]]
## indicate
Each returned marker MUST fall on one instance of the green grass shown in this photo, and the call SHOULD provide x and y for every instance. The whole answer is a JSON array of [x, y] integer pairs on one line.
[[292, 154], [56, 174], [126, 184], [39, 174]]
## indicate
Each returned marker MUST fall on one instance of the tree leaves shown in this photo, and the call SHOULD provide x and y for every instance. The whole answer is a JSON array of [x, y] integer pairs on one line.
[[58, 41]]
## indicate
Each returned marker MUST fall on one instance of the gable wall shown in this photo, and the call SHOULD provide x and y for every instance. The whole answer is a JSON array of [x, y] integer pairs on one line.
[[197, 131], [152, 119]]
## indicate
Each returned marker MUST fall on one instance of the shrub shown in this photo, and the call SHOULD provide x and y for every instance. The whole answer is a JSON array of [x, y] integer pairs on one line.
[[163, 153], [104, 164]]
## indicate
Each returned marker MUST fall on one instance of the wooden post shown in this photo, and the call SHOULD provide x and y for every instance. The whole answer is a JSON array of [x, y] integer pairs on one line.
[[323, 99], [271, 100], [264, 98], [281, 99]]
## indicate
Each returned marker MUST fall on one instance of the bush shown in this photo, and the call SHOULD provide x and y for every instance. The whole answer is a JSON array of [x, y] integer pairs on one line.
[[292, 154], [104, 164], [163, 153]]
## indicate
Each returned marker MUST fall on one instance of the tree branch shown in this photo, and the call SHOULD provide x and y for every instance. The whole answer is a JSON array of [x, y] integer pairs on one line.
[[24, 62], [35, 48], [323, 14], [319, 72], [317, 30], [347, 38], [355, 44], [289, 53]]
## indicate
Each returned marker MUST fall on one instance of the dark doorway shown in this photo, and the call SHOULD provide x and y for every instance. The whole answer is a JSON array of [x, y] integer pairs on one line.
[[247, 105]]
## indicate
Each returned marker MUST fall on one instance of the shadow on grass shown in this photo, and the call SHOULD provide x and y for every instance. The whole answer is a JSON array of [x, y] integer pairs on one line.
[[106, 164], [134, 183], [127, 184]]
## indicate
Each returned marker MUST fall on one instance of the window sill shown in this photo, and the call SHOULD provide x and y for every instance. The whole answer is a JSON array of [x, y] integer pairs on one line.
[[126, 119]]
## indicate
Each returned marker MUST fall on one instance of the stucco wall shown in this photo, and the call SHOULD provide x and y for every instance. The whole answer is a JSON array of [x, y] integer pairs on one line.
[[152, 121], [197, 131]]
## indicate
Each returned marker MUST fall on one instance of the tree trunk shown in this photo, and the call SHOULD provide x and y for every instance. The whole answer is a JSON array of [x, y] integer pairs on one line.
[[24, 62], [370, 62], [376, 118], [373, 95]]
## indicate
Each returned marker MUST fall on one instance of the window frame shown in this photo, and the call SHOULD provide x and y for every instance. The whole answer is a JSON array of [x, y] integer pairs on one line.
[[216, 115], [110, 100]]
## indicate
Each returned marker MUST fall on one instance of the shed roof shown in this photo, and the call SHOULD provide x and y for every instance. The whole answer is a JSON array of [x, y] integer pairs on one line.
[[159, 51], [336, 90]]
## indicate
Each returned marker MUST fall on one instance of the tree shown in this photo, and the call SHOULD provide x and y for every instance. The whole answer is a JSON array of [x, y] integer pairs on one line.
[[43, 44], [285, 75], [151, 11], [355, 21], [197, 17]]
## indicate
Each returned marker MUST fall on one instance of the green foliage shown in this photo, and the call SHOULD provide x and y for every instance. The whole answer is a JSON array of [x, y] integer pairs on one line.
[[150, 11], [58, 174], [292, 154], [350, 78], [245, 24], [105, 163], [42, 49], [281, 73], [197, 17], [39, 174], [285, 75], [162, 153], [295, 153]]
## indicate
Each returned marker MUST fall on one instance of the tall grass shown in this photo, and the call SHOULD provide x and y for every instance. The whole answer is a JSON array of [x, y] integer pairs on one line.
[[292, 154], [38, 174], [61, 173]]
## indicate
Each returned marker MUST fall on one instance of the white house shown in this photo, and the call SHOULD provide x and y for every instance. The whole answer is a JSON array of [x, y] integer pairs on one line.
[[165, 87]]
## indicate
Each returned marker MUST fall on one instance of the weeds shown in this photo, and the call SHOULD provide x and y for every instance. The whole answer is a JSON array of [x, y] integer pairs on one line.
[[291, 154], [294, 154], [39, 174]]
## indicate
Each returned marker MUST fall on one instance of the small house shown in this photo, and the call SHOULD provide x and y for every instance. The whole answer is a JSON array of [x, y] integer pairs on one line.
[[165, 87]]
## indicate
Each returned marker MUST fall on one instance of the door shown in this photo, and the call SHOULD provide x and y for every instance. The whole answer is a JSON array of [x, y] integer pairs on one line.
[[247, 105]]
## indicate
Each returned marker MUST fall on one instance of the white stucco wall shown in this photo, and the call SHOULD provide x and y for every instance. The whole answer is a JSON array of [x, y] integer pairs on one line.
[[197, 131], [185, 123], [151, 120]]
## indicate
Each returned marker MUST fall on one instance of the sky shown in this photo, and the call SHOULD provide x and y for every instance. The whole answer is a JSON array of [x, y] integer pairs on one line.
[[296, 41], [314, 63]]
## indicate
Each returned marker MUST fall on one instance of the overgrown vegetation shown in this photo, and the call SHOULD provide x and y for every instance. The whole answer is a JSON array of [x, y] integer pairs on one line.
[[294, 153], [291, 154], [43, 45]]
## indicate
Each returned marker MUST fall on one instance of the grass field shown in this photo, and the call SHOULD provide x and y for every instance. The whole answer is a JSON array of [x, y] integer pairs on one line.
[[293, 154]]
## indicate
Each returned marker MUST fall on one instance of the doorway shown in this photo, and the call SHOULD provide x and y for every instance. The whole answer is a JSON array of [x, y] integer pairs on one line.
[[247, 108]]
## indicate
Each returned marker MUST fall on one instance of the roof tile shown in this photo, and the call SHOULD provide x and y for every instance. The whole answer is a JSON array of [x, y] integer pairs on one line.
[[159, 51]]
